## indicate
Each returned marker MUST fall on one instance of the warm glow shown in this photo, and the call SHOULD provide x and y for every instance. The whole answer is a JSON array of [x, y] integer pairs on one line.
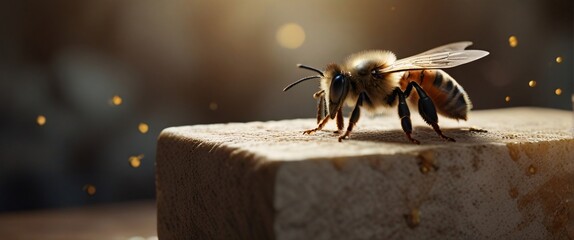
[[507, 99], [143, 128], [558, 91], [513, 41], [90, 189], [532, 83], [116, 100], [290, 35], [558, 59], [135, 161], [41, 120]]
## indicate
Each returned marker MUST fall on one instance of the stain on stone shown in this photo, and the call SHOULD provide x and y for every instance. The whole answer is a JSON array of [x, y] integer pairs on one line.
[[513, 150], [455, 171], [513, 192], [556, 198], [475, 162], [531, 170], [427, 161], [413, 218], [339, 163], [375, 164]]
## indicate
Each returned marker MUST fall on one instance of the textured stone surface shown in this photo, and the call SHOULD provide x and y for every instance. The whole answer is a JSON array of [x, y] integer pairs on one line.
[[263, 180]]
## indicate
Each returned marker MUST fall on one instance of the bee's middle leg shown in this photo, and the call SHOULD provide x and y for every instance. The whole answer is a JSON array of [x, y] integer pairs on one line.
[[354, 117], [340, 121], [405, 116]]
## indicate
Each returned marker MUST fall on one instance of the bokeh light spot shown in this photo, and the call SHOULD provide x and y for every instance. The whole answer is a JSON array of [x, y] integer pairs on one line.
[[559, 59], [90, 189], [507, 99], [143, 127], [41, 120], [558, 91], [513, 41], [532, 83], [136, 161], [116, 100], [213, 106], [290, 35]]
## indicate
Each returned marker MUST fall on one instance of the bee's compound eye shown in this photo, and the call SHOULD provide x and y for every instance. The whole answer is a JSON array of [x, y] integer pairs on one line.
[[337, 88]]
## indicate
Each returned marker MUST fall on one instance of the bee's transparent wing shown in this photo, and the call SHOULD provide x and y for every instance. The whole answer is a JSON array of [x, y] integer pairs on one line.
[[451, 47], [444, 59]]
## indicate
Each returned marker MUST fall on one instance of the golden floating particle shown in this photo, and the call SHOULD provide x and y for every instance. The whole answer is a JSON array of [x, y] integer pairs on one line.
[[513, 41], [558, 91], [41, 120], [135, 161], [290, 35], [213, 106], [393, 8], [507, 99], [116, 100], [143, 127], [532, 83], [559, 59], [90, 189]]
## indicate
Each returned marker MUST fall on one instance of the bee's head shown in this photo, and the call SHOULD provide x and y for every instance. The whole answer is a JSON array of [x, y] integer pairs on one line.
[[336, 85], [334, 82]]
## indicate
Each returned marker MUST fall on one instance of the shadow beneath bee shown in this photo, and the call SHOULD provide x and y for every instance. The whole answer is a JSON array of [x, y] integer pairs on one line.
[[425, 135]]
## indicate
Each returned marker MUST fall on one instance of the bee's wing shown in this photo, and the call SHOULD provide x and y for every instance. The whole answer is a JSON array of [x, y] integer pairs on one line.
[[447, 48], [444, 59]]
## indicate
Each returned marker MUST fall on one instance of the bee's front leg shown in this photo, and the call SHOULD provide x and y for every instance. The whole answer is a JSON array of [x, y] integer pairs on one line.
[[320, 105], [354, 117], [319, 126]]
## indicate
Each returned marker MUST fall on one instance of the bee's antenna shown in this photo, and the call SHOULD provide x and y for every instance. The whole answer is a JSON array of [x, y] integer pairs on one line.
[[299, 81], [310, 68]]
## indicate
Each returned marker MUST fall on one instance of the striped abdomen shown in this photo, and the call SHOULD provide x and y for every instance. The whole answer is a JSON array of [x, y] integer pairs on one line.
[[448, 96]]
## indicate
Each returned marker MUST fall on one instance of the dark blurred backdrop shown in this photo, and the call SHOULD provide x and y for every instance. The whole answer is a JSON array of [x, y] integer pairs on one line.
[[180, 62]]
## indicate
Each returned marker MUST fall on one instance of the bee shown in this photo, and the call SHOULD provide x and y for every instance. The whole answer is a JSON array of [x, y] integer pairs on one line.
[[375, 79]]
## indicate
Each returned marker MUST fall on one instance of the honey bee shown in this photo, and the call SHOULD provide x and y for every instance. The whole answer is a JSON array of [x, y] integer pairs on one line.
[[375, 79]]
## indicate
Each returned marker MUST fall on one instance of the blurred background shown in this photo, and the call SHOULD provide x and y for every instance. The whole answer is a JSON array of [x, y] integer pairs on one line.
[[87, 86]]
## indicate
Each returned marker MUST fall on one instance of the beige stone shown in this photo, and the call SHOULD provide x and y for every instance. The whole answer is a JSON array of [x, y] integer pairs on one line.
[[265, 180]]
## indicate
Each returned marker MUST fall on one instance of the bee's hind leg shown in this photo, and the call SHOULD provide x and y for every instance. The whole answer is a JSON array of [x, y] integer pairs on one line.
[[427, 109], [405, 115], [354, 117]]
